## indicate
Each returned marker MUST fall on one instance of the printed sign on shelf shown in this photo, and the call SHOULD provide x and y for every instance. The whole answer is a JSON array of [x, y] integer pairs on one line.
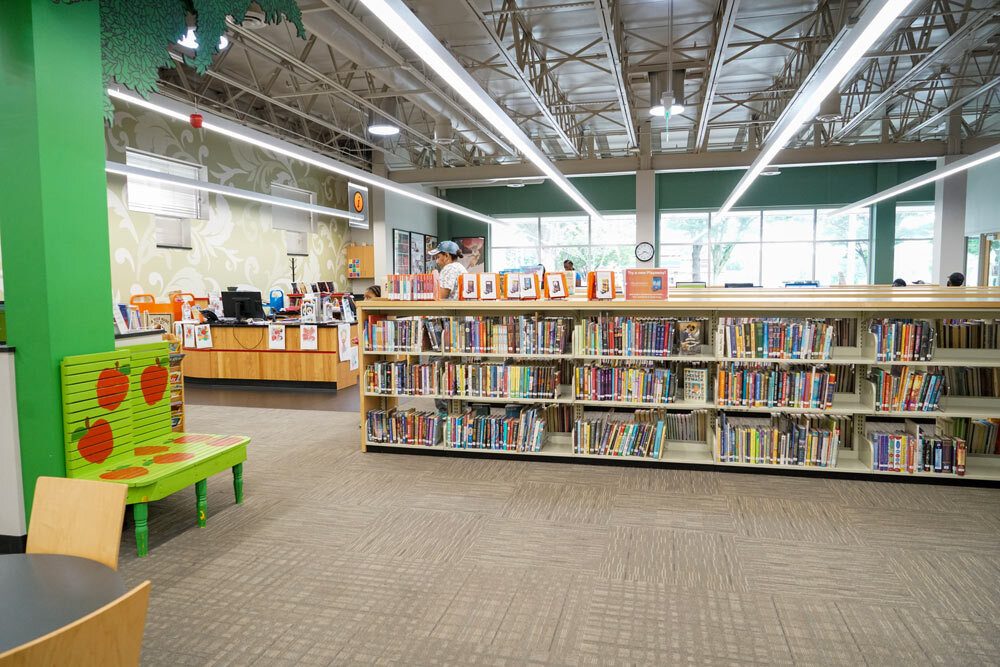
[[646, 284]]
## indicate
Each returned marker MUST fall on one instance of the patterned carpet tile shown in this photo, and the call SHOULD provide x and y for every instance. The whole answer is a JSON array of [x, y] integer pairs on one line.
[[793, 520], [433, 493], [670, 480], [540, 544], [778, 486], [565, 503], [952, 584], [421, 535], [816, 632], [708, 513], [918, 529]]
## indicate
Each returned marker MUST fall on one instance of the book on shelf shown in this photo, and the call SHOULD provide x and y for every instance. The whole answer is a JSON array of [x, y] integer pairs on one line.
[[746, 384], [488, 286], [775, 338], [411, 287], [518, 334], [499, 380], [601, 285], [695, 384], [913, 447], [792, 440], [688, 425], [902, 389], [691, 334], [630, 382], [971, 380], [555, 285], [401, 334], [402, 378], [968, 333], [628, 336], [606, 436], [403, 427], [982, 436], [518, 430], [903, 339], [468, 286]]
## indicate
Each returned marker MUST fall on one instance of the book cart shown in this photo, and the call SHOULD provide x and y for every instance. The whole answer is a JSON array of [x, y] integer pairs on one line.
[[860, 410]]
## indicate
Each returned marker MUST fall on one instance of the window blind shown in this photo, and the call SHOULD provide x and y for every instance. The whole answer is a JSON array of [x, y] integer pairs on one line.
[[173, 232], [290, 219], [161, 198]]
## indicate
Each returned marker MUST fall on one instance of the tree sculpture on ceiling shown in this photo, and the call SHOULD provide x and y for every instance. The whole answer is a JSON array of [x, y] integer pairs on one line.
[[136, 35]]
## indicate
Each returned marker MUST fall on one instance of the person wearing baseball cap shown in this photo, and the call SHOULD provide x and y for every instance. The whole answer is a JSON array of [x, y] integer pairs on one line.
[[446, 256]]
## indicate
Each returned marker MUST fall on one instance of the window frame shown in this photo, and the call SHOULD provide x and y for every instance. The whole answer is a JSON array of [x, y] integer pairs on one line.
[[199, 195]]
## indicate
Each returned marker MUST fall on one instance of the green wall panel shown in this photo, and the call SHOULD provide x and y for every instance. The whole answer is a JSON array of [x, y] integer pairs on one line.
[[53, 212]]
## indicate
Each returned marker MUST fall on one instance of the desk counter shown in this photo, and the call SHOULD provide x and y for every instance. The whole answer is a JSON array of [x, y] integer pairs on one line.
[[241, 352]]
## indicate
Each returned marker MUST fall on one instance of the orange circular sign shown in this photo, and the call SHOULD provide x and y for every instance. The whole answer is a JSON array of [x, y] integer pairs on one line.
[[359, 202]]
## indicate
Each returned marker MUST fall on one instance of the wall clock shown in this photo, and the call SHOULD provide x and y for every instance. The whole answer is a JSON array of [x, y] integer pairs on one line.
[[644, 251]]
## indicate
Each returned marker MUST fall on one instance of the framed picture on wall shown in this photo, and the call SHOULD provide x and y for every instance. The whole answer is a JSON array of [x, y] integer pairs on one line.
[[473, 252], [416, 252], [430, 242], [400, 251]]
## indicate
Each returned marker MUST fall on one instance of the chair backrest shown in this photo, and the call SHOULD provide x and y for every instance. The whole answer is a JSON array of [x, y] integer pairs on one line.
[[110, 637], [77, 517]]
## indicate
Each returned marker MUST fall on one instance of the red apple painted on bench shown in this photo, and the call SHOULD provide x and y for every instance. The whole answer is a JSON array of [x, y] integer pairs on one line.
[[188, 439], [112, 387], [153, 383], [125, 472], [95, 440], [173, 457], [146, 451], [225, 442]]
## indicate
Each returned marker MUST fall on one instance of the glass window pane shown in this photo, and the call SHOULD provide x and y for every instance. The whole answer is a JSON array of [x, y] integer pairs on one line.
[[611, 258], [856, 225], [737, 227], [843, 263], [616, 229], [786, 262], [566, 230], [683, 227], [735, 263], [553, 258], [911, 260], [972, 261], [796, 225], [915, 222], [515, 232], [512, 258], [685, 262]]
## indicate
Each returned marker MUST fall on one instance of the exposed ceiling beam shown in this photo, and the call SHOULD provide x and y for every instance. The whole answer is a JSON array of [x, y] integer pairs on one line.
[[957, 104], [725, 21], [540, 86], [968, 36], [609, 14]]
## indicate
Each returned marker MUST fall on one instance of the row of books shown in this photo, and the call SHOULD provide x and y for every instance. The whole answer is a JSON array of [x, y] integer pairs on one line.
[[982, 436], [775, 338], [974, 334], [915, 448], [640, 336], [403, 427], [514, 430], [902, 389], [404, 334], [499, 380], [845, 330], [411, 287], [800, 440], [691, 425], [634, 384], [399, 377], [971, 381], [760, 386], [903, 339], [620, 438], [506, 335]]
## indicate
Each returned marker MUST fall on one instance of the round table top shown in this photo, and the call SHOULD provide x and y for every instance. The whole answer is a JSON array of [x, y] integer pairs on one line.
[[44, 592]]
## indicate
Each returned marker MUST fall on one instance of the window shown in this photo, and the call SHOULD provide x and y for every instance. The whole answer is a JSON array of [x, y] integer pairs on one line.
[[296, 224], [972, 261], [161, 198], [173, 232], [913, 251], [766, 248], [549, 240]]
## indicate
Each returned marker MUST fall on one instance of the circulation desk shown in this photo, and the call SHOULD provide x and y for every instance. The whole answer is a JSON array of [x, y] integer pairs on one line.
[[240, 352]]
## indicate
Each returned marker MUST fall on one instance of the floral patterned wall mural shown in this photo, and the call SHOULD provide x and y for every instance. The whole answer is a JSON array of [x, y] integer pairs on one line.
[[235, 245]]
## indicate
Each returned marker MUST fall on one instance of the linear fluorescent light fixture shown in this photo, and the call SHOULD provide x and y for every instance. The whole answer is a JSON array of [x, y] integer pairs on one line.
[[945, 171], [219, 125], [859, 38], [130, 171], [415, 35]]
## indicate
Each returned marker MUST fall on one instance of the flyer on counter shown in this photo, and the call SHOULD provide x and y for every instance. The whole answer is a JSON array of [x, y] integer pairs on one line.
[[308, 337], [276, 336]]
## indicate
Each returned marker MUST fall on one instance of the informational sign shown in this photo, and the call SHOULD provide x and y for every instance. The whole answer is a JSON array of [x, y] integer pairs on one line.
[[645, 284], [357, 196]]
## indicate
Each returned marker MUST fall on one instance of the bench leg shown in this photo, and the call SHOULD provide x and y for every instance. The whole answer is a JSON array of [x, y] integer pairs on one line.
[[140, 512], [201, 490], [238, 482]]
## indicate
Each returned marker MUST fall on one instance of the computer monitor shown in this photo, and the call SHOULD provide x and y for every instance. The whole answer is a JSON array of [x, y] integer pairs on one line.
[[739, 285], [803, 283], [242, 305], [690, 283]]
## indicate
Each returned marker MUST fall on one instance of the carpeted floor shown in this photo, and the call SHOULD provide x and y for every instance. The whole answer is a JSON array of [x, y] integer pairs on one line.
[[339, 557]]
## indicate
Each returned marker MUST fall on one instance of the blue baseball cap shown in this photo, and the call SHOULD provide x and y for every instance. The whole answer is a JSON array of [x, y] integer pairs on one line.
[[449, 247]]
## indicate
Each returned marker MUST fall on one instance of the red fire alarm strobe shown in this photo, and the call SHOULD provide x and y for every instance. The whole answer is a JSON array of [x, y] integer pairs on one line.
[[196, 120]]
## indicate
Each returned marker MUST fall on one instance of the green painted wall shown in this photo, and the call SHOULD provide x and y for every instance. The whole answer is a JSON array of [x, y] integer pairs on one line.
[[53, 213]]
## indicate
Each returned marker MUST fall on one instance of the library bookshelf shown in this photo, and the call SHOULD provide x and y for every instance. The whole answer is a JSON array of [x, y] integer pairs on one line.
[[856, 353]]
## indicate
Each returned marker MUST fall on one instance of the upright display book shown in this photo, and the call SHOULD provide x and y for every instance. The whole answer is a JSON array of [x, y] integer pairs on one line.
[[646, 284], [488, 286], [555, 286], [695, 384], [468, 286], [512, 285], [690, 337], [601, 285]]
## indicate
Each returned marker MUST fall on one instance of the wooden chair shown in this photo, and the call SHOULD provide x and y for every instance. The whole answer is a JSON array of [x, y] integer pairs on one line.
[[77, 517], [110, 637]]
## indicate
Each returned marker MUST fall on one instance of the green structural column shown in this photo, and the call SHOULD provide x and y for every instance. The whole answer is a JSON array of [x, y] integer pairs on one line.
[[884, 235], [53, 211]]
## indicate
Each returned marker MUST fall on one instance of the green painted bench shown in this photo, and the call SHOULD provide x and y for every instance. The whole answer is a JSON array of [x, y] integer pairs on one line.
[[116, 422]]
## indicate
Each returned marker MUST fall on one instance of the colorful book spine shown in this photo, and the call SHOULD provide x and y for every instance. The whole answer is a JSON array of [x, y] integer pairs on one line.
[[620, 438], [776, 338], [902, 389], [903, 339], [399, 335], [499, 380], [523, 432], [630, 384], [741, 384], [402, 378], [802, 440], [608, 335], [406, 427], [506, 335]]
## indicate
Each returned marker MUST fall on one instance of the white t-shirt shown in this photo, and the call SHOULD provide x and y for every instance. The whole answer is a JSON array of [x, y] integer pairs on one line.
[[448, 278]]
